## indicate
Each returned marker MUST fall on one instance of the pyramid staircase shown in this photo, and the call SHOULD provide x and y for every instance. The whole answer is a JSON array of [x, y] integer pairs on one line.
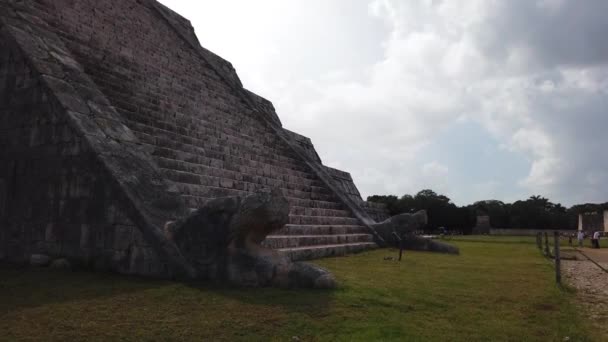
[[225, 149], [218, 155], [233, 161], [205, 140], [228, 162]]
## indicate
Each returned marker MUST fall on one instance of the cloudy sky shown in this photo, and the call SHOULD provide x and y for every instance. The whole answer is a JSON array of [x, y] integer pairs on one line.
[[475, 99]]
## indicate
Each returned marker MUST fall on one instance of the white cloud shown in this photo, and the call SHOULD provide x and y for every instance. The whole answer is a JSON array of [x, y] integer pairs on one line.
[[435, 176], [374, 83]]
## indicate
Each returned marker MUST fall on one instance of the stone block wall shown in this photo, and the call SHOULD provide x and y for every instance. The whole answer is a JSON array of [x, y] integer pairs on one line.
[[53, 199], [345, 182], [266, 107], [202, 134], [593, 221], [184, 28], [377, 211], [482, 225], [305, 145]]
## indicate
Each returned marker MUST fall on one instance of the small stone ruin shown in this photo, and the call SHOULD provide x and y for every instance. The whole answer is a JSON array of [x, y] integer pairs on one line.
[[593, 221], [482, 225]]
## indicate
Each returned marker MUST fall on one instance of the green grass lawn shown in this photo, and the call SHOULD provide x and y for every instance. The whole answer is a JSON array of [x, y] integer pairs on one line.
[[492, 239], [493, 291], [520, 239]]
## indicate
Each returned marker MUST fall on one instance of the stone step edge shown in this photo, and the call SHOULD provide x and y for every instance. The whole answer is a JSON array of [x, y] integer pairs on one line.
[[246, 193], [137, 125], [289, 185], [289, 199], [370, 244], [219, 162], [326, 217], [305, 207], [300, 229], [291, 225], [311, 178], [295, 166], [314, 236]]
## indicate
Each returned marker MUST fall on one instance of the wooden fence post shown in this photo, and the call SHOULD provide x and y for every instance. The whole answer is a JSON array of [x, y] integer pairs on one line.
[[547, 251], [539, 241], [400, 242], [558, 272]]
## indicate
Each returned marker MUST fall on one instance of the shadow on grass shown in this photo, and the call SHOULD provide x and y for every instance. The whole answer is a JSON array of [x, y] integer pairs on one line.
[[25, 287], [315, 302], [503, 242]]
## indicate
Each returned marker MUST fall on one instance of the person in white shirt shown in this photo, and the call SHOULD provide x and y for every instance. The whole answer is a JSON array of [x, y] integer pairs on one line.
[[596, 239], [580, 237]]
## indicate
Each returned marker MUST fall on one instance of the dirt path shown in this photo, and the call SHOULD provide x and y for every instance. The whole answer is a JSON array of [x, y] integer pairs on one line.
[[600, 256], [591, 283]]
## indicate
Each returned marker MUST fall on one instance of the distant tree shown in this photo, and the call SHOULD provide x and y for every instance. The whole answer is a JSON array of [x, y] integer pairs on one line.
[[497, 210], [536, 212], [392, 202], [441, 211]]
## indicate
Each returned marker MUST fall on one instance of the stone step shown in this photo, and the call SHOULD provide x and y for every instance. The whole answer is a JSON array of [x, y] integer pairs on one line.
[[316, 194], [255, 160], [194, 202], [204, 129], [211, 192], [322, 220], [173, 159], [218, 148], [225, 161], [243, 173], [208, 131], [197, 201], [265, 155], [301, 229], [307, 203], [219, 182], [291, 241], [324, 251], [189, 190], [307, 211]]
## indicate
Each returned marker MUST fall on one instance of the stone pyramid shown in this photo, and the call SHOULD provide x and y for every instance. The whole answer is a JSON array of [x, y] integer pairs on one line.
[[114, 120]]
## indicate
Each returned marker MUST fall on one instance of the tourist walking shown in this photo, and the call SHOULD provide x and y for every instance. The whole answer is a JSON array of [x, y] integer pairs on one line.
[[580, 236], [596, 239]]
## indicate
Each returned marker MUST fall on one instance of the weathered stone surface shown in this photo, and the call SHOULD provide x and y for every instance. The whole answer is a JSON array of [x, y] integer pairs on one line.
[[271, 268], [418, 243], [39, 260], [401, 224], [222, 240], [482, 225], [65, 148], [405, 225], [593, 221], [61, 264]]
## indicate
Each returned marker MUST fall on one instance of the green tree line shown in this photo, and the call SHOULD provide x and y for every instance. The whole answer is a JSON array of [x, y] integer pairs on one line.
[[536, 212]]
